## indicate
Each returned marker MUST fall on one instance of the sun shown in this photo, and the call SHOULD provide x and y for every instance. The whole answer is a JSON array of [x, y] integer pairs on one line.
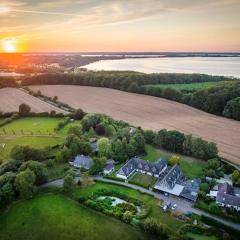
[[9, 46]]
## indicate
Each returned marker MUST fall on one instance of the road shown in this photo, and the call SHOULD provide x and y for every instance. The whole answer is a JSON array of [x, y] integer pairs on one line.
[[182, 204]]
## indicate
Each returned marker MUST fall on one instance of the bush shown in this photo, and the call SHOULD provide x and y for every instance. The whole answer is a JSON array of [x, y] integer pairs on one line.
[[153, 227], [215, 223], [24, 110], [205, 187], [13, 117], [81, 199]]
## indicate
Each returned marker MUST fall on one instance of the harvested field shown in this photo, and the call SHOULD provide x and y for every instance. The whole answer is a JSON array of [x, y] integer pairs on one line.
[[153, 113], [11, 98]]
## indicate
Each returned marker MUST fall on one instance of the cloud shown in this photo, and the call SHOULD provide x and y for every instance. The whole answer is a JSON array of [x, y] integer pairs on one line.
[[76, 15]]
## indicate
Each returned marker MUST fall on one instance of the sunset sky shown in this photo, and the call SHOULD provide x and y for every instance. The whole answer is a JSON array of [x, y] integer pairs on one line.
[[120, 25]]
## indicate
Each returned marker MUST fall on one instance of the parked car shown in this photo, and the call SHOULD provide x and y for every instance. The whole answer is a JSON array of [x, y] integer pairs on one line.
[[174, 206], [165, 208], [166, 194]]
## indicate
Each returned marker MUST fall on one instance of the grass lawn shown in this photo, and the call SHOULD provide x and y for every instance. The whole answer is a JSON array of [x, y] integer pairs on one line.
[[35, 125], [191, 167], [32, 125], [200, 237], [49, 216], [156, 211], [187, 86], [37, 142], [143, 180]]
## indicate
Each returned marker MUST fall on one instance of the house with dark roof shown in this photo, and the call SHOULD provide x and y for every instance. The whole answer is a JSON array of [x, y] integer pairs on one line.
[[226, 197], [82, 161], [169, 182], [225, 188], [108, 168], [139, 165], [228, 200], [190, 190]]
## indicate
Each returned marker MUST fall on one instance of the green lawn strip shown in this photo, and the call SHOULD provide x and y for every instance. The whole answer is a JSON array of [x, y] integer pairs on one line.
[[143, 180], [187, 86], [37, 142], [200, 237], [32, 125], [153, 203], [191, 167], [49, 216]]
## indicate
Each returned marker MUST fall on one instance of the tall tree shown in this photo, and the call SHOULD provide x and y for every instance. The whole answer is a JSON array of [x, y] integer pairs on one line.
[[25, 183], [103, 147]]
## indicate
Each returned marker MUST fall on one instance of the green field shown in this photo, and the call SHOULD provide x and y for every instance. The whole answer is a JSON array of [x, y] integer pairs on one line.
[[32, 125], [37, 142], [49, 216], [143, 180], [35, 132], [187, 86], [192, 168], [153, 203]]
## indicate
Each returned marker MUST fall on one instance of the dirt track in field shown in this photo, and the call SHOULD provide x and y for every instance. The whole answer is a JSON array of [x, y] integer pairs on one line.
[[11, 98], [153, 113]]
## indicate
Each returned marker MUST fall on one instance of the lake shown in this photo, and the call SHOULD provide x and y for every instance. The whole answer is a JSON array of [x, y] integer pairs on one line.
[[227, 66]]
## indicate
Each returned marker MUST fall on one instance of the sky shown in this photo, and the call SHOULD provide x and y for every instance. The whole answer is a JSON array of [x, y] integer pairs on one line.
[[119, 25]]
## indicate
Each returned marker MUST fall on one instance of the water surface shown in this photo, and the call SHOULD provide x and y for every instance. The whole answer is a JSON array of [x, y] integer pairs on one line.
[[227, 66]]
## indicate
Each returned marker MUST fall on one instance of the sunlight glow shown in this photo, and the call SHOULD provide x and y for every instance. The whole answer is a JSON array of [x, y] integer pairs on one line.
[[4, 10], [9, 45]]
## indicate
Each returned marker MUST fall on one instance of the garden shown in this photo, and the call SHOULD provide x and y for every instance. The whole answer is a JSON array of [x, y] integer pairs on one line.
[[153, 205], [117, 204]]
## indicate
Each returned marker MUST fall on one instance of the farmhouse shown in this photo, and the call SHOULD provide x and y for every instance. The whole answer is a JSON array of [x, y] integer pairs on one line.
[[169, 182], [226, 196], [82, 161], [229, 201], [190, 190], [170, 179], [139, 165]]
